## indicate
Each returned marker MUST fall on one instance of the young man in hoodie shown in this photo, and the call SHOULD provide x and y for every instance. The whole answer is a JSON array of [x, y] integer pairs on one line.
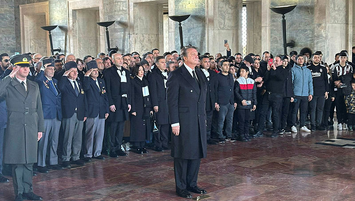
[[303, 90]]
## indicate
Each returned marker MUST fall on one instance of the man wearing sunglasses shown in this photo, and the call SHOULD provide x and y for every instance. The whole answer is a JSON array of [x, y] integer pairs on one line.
[[4, 62]]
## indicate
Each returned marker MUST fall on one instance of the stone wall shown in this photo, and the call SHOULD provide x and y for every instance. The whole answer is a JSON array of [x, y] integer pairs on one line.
[[7, 30]]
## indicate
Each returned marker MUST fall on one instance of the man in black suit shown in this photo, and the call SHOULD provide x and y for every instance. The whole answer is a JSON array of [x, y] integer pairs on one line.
[[186, 95], [118, 92], [74, 114], [157, 88], [98, 109], [210, 96]]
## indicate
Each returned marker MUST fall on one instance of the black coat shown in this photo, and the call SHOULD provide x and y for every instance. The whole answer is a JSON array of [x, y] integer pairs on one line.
[[210, 96], [186, 104], [115, 90], [142, 107], [96, 98], [158, 95]]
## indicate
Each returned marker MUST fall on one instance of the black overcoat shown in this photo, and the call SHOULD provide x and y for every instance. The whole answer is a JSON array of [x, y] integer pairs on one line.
[[187, 106]]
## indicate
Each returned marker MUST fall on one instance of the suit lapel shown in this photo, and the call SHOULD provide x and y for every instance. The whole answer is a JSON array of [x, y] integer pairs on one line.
[[18, 86], [187, 76]]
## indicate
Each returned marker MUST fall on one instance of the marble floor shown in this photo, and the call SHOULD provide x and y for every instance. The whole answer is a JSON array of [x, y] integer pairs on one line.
[[290, 167]]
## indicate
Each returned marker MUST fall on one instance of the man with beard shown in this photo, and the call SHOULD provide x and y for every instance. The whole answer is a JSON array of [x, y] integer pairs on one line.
[[118, 92], [186, 95], [320, 90]]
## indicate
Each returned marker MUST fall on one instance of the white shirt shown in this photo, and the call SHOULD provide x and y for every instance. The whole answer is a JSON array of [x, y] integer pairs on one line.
[[25, 81], [207, 74], [73, 82]]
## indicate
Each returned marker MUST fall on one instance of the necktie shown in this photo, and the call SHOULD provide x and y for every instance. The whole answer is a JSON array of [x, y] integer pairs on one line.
[[97, 84], [195, 77], [53, 87], [24, 85], [76, 89]]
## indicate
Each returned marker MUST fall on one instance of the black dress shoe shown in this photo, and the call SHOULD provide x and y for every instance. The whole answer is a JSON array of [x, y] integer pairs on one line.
[[66, 164], [3, 179], [184, 194], [197, 190], [113, 154], [274, 135], [138, 151], [78, 162], [19, 197], [145, 150], [42, 169], [158, 149], [121, 153], [211, 142], [55, 167], [87, 159], [31, 196], [99, 157]]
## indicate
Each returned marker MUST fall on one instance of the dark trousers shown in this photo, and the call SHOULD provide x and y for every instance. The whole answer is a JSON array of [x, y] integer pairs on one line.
[[214, 127], [285, 120], [116, 132], [351, 120], [243, 120], [316, 109], [161, 137], [327, 111], [302, 104], [186, 173], [209, 115], [22, 178], [275, 101], [139, 145], [2, 132], [341, 108]]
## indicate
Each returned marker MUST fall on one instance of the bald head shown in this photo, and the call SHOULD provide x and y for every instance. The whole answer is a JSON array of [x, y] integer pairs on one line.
[[117, 59]]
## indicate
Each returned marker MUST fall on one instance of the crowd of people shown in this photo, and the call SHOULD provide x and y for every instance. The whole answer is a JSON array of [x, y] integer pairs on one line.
[[86, 107]]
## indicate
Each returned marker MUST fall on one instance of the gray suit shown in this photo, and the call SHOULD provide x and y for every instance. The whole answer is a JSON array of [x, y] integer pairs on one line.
[[25, 120]]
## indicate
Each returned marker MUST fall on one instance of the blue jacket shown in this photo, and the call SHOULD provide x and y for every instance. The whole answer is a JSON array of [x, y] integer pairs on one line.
[[51, 98], [302, 81]]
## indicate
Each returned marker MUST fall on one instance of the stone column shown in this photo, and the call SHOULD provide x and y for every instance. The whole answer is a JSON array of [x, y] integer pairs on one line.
[[147, 27], [223, 22], [338, 28], [58, 15], [8, 34], [254, 33], [265, 25]]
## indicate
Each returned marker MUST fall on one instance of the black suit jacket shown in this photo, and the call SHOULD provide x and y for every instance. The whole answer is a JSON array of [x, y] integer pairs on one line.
[[115, 90], [96, 97], [70, 102], [158, 95], [187, 106]]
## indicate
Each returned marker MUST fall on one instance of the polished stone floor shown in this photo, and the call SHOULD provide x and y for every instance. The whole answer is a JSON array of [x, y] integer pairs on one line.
[[290, 167]]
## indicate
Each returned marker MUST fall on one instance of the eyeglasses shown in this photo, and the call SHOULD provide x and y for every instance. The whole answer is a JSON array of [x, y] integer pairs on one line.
[[6, 60]]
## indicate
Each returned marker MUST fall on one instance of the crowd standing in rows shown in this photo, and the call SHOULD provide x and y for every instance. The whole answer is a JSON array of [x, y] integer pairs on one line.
[[80, 109]]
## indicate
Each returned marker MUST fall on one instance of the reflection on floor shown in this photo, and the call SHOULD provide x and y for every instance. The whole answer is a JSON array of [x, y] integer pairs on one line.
[[290, 167]]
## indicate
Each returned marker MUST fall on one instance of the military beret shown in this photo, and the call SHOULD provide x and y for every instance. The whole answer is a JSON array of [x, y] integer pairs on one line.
[[91, 64], [70, 64], [21, 60], [50, 62], [249, 59]]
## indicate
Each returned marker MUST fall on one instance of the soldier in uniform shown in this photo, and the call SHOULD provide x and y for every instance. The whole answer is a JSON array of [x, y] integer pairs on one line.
[[24, 125]]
